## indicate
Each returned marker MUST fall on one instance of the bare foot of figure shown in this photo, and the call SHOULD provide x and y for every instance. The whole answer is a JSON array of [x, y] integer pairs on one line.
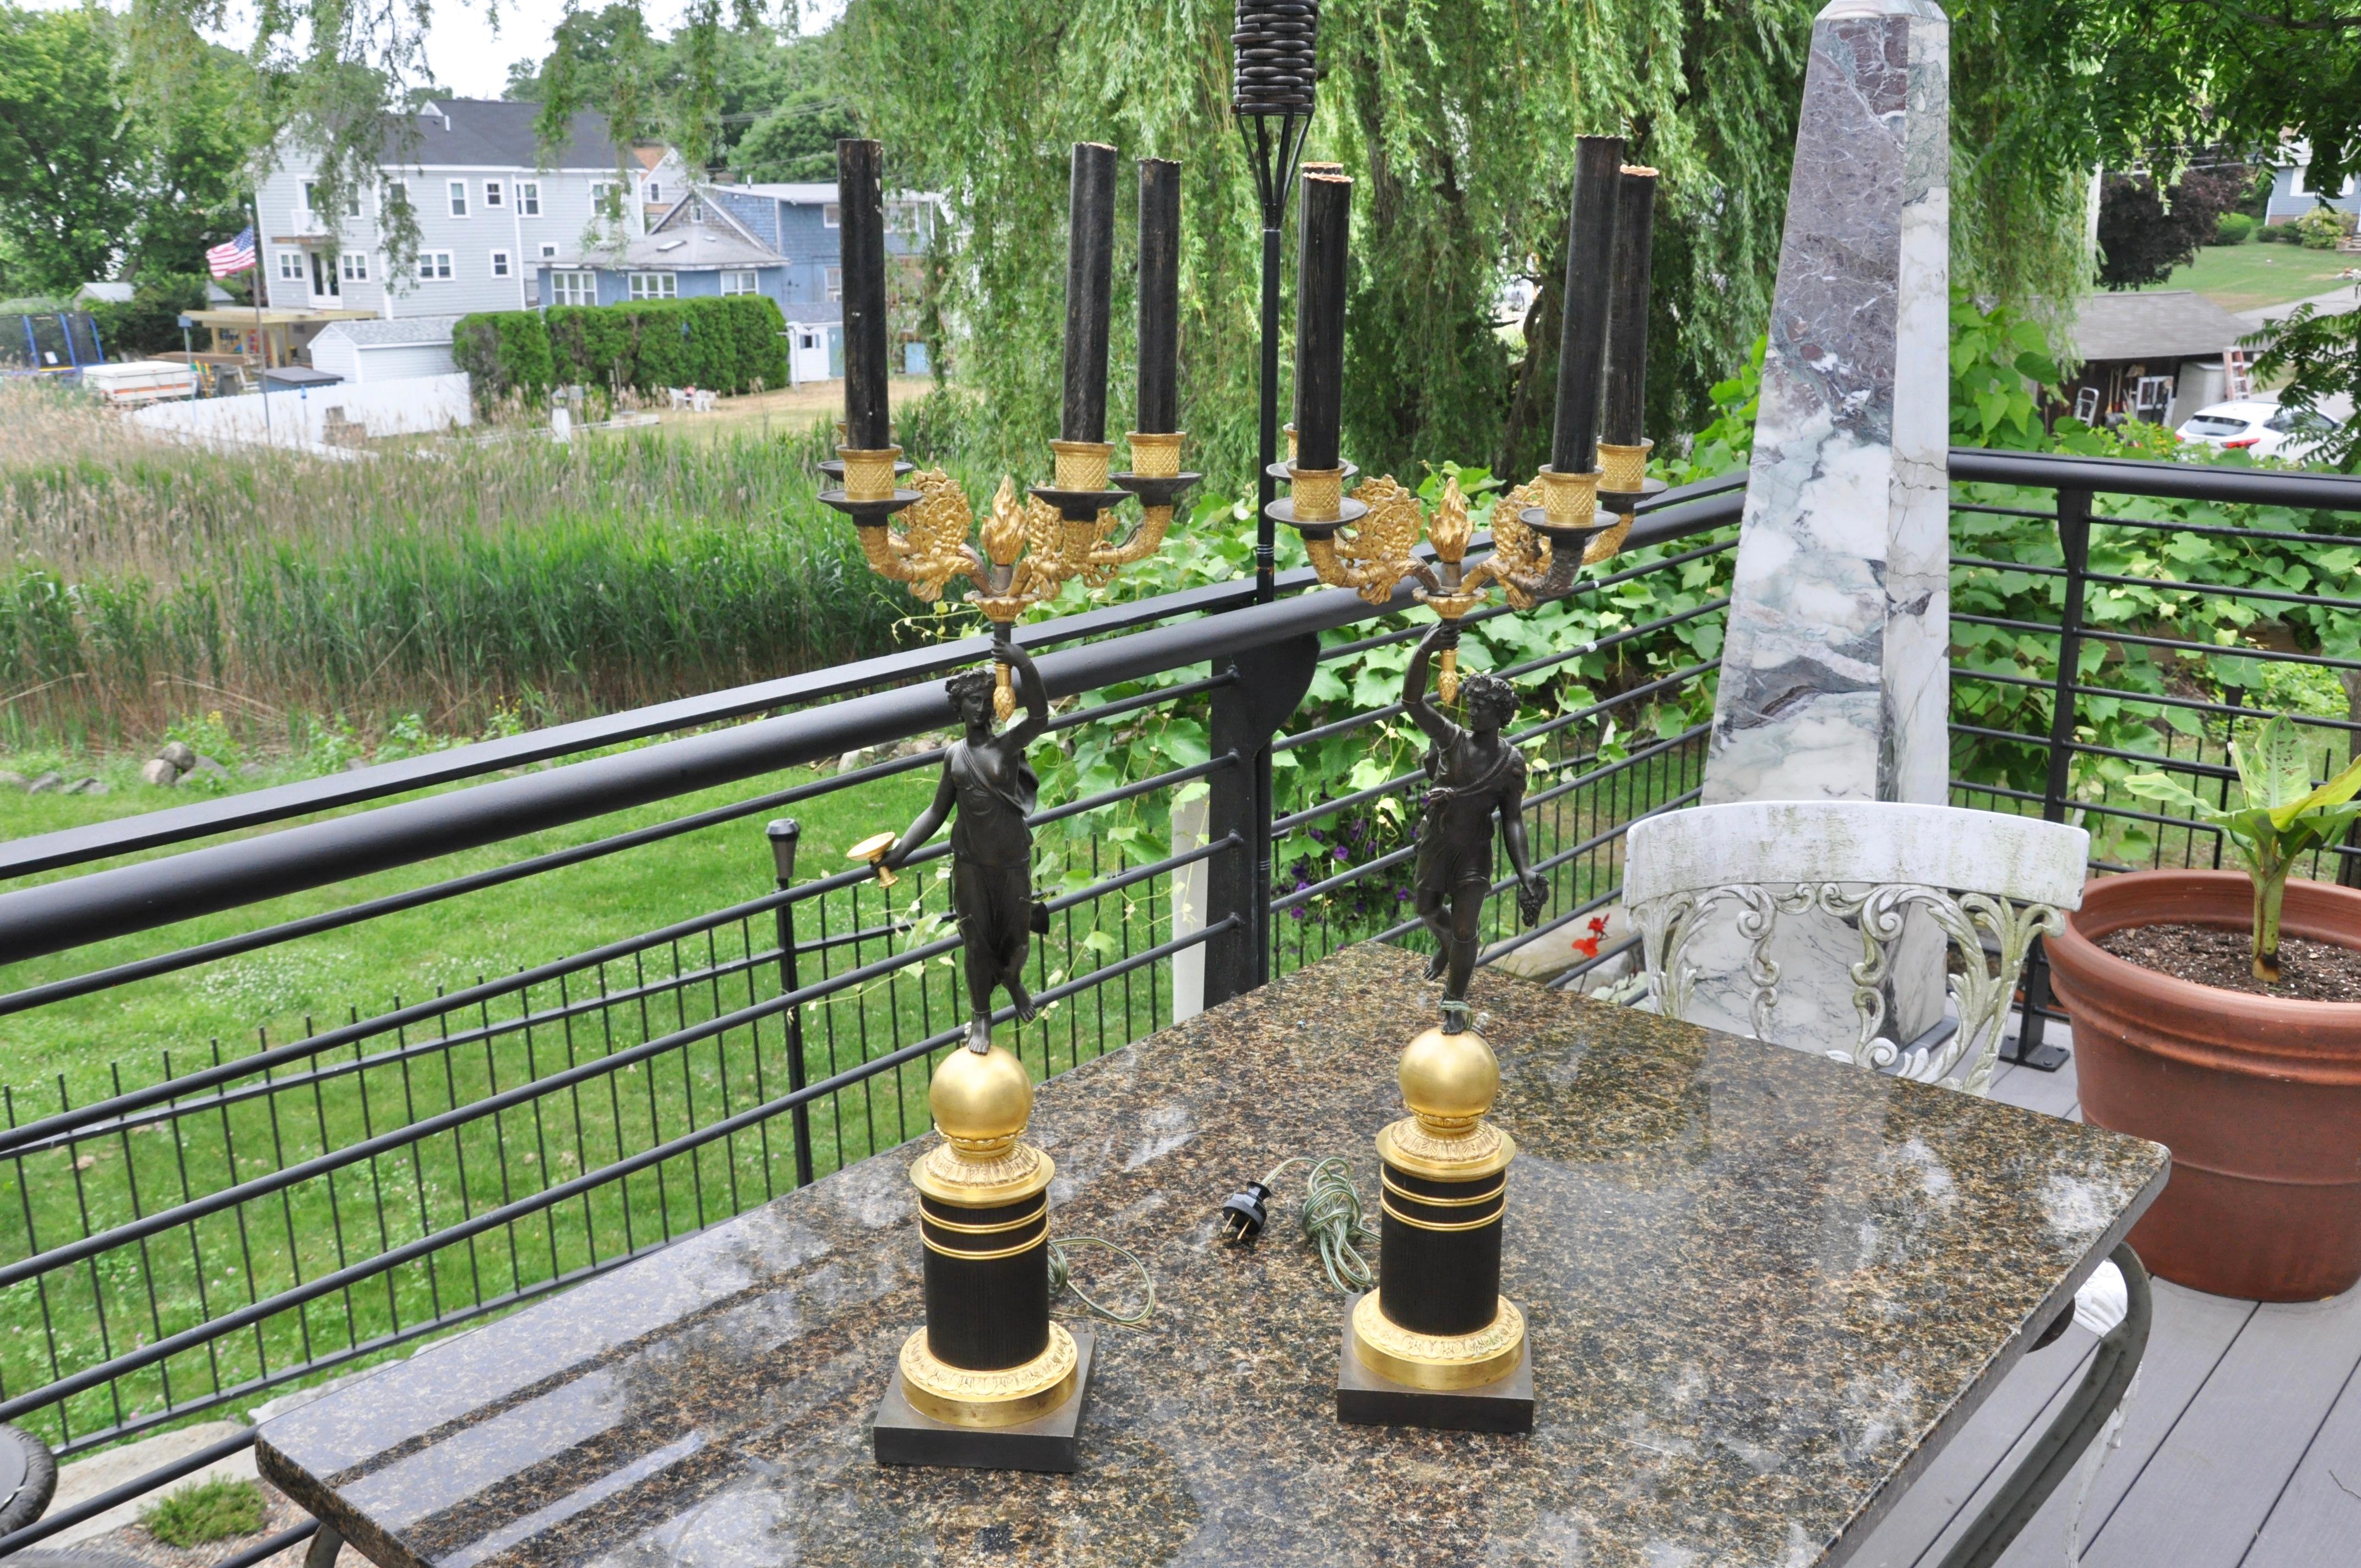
[[979, 1033], [1437, 964], [1027, 1008]]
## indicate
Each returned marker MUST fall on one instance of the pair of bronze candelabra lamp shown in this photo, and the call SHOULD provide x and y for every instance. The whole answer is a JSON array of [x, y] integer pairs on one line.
[[990, 1380]]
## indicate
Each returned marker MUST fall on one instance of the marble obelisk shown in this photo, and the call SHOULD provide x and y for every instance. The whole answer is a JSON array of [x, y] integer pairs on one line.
[[1836, 677]]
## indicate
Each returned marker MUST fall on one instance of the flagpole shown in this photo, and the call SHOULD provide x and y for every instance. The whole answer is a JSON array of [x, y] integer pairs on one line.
[[262, 341]]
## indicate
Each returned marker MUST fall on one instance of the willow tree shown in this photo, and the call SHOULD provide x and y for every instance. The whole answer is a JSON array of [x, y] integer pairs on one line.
[[1458, 118]]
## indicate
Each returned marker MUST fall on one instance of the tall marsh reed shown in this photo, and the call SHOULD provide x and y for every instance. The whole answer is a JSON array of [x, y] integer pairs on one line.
[[441, 577]]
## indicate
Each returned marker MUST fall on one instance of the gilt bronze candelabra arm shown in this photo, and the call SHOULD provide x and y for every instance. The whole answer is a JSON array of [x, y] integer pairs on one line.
[[1368, 542], [1024, 550]]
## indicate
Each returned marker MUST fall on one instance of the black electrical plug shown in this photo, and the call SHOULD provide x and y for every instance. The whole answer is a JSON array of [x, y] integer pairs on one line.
[[1243, 1216]]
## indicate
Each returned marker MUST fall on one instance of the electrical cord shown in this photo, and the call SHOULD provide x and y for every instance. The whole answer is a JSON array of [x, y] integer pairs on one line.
[[1061, 1280], [1330, 1218]]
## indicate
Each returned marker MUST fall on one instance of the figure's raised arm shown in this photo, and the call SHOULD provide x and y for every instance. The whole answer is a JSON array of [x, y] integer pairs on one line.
[[1425, 714], [1033, 694]]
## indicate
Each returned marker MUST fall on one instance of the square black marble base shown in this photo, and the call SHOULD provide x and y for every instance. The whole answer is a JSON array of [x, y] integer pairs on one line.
[[1364, 1398], [1051, 1441]]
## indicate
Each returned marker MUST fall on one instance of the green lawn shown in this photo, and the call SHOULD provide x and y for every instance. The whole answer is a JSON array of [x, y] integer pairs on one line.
[[410, 954], [2247, 277]]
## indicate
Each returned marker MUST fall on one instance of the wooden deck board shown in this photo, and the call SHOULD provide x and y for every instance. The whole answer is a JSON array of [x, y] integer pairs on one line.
[[2204, 1497], [2318, 1518]]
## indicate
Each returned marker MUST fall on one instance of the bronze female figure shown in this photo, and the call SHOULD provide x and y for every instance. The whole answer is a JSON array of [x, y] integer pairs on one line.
[[1476, 773], [987, 779]]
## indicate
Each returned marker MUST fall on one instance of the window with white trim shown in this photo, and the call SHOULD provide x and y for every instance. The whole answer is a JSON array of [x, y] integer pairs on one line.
[[495, 193], [434, 267], [548, 251], [354, 265], [501, 268], [529, 198], [831, 217], [310, 196], [656, 192], [291, 266], [397, 195], [739, 283], [654, 285], [602, 194], [459, 198], [834, 275], [573, 288]]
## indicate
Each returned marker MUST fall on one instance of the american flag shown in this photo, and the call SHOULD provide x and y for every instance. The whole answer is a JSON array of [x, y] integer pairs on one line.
[[235, 256]]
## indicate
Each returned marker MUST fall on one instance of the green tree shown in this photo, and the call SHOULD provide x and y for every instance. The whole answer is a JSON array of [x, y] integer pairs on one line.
[[67, 200], [105, 171]]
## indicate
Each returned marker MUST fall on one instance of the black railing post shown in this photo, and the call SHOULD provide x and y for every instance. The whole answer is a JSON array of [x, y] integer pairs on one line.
[[2074, 542], [1265, 685], [784, 833]]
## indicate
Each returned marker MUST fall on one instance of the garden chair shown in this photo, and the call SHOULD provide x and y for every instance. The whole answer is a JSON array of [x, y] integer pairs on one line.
[[1985, 880], [1870, 864]]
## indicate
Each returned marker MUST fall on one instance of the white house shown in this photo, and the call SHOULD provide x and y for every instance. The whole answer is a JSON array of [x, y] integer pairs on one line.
[[360, 352], [490, 212]]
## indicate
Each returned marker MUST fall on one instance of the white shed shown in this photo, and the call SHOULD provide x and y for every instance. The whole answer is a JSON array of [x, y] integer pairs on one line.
[[366, 351]]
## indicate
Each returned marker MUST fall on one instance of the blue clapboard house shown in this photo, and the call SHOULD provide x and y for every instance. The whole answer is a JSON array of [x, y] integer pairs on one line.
[[777, 240]]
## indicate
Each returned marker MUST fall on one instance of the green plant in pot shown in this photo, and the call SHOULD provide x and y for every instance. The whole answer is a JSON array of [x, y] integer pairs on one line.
[[2283, 817], [2256, 1091]]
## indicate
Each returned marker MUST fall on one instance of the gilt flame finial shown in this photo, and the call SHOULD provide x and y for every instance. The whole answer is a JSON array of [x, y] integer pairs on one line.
[[1004, 533]]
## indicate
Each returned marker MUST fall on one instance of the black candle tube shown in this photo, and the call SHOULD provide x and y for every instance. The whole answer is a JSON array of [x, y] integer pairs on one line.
[[1090, 278], [1305, 170], [1582, 345], [1320, 282], [861, 208], [1159, 295], [1627, 326]]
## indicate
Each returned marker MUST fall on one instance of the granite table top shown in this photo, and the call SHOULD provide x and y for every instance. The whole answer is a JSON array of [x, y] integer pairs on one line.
[[1763, 1289]]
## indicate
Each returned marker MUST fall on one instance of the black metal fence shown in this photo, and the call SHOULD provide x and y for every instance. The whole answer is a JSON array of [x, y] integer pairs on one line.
[[226, 1218]]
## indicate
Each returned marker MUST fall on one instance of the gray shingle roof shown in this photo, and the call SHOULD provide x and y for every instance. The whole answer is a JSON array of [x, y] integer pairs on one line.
[[492, 133], [2172, 324], [683, 250], [408, 329]]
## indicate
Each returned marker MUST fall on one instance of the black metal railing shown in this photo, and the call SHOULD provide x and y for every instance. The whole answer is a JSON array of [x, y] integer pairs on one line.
[[219, 1221]]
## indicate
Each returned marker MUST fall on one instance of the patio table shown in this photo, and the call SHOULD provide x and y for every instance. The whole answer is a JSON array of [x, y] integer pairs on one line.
[[1763, 1289]]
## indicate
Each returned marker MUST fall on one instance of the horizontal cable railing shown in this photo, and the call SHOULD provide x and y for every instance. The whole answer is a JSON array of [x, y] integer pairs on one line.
[[228, 1221]]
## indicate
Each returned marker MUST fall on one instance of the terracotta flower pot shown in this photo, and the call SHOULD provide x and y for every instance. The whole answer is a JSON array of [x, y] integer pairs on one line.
[[2258, 1098]]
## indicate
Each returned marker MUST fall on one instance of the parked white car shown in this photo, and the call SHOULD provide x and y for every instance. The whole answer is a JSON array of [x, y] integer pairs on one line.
[[2265, 430]]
